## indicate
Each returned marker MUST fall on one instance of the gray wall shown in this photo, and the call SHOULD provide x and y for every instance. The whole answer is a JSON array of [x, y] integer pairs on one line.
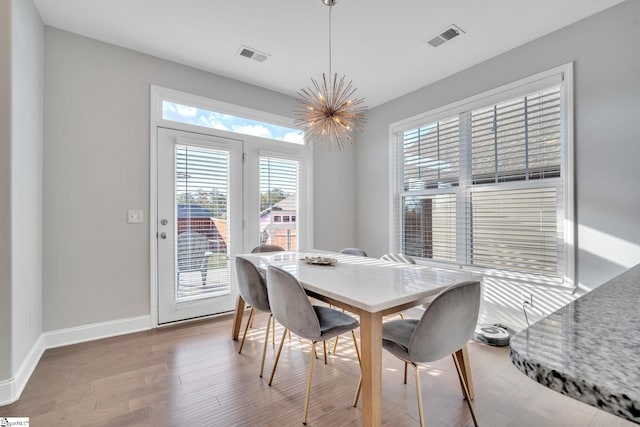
[[96, 166], [26, 179], [606, 57], [5, 189], [334, 199]]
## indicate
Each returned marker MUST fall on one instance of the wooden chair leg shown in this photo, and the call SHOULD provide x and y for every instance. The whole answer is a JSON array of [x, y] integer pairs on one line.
[[266, 343], [273, 335], [246, 328], [275, 362], [324, 349], [355, 344], [419, 393], [405, 372], [358, 390], [462, 357], [335, 344], [465, 390], [312, 361]]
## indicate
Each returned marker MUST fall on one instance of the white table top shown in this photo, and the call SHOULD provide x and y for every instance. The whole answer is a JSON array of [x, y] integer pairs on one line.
[[369, 284]]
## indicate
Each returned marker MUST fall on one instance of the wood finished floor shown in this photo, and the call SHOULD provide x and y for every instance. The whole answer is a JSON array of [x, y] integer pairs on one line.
[[192, 375]]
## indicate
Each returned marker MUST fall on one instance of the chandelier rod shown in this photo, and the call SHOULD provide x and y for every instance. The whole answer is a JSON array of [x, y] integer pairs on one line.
[[330, 9]]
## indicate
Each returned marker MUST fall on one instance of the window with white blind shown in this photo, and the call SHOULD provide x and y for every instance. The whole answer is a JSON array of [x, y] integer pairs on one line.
[[486, 183], [279, 182], [201, 210]]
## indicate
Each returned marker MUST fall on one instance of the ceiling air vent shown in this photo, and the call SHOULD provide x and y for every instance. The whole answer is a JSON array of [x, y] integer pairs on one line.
[[445, 36], [254, 54]]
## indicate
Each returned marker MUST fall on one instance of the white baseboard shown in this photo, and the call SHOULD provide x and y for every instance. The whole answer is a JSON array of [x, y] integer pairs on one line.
[[11, 389], [96, 331]]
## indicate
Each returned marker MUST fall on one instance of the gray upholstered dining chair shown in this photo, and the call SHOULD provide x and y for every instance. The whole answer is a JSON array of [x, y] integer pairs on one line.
[[267, 248], [276, 248], [291, 307], [353, 251], [444, 328], [398, 257], [253, 290], [263, 249]]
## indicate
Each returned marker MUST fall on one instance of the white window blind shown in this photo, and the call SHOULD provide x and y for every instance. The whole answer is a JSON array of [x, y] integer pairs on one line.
[[516, 230], [202, 189], [279, 181], [484, 186], [518, 139], [431, 155], [202, 178]]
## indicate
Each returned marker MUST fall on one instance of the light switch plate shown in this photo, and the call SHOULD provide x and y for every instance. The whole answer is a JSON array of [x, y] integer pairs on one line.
[[134, 216]]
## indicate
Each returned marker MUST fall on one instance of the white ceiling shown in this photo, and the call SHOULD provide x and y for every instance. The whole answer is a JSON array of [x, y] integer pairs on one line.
[[380, 45]]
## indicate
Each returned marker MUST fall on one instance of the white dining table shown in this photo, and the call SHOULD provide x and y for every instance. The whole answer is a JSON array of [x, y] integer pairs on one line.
[[370, 288]]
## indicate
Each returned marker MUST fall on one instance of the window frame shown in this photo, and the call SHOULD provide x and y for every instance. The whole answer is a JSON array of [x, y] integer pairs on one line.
[[303, 157], [562, 74]]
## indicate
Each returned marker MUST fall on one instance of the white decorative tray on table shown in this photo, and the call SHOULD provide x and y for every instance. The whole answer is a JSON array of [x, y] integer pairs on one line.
[[319, 260]]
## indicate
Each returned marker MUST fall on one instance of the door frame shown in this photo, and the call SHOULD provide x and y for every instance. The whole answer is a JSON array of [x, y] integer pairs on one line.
[[253, 144], [170, 308]]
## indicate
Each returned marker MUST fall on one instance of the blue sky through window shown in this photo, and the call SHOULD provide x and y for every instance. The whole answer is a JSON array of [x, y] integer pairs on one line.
[[211, 119]]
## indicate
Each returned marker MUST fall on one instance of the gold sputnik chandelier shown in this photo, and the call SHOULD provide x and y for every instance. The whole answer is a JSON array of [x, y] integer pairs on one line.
[[328, 112]]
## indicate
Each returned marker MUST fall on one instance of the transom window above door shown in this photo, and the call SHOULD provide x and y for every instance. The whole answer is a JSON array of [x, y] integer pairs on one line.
[[216, 120]]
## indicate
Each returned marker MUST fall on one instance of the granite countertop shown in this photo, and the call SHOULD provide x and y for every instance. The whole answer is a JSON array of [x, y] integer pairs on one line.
[[590, 349]]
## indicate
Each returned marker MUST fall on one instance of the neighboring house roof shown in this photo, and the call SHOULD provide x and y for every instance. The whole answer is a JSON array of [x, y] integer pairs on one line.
[[288, 204], [193, 211]]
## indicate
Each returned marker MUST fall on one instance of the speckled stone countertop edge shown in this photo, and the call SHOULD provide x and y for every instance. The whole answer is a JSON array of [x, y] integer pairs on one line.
[[591, 394], [556, 351]]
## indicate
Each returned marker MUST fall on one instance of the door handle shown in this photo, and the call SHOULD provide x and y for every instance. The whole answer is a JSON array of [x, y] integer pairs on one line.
[[163, 235]]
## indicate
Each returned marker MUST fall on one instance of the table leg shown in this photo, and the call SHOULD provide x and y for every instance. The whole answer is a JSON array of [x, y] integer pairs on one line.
[[371, 346], [237, 319], [462, 356]]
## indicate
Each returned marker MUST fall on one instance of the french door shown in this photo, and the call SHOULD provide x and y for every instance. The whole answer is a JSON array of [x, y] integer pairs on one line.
[[200, 215]]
